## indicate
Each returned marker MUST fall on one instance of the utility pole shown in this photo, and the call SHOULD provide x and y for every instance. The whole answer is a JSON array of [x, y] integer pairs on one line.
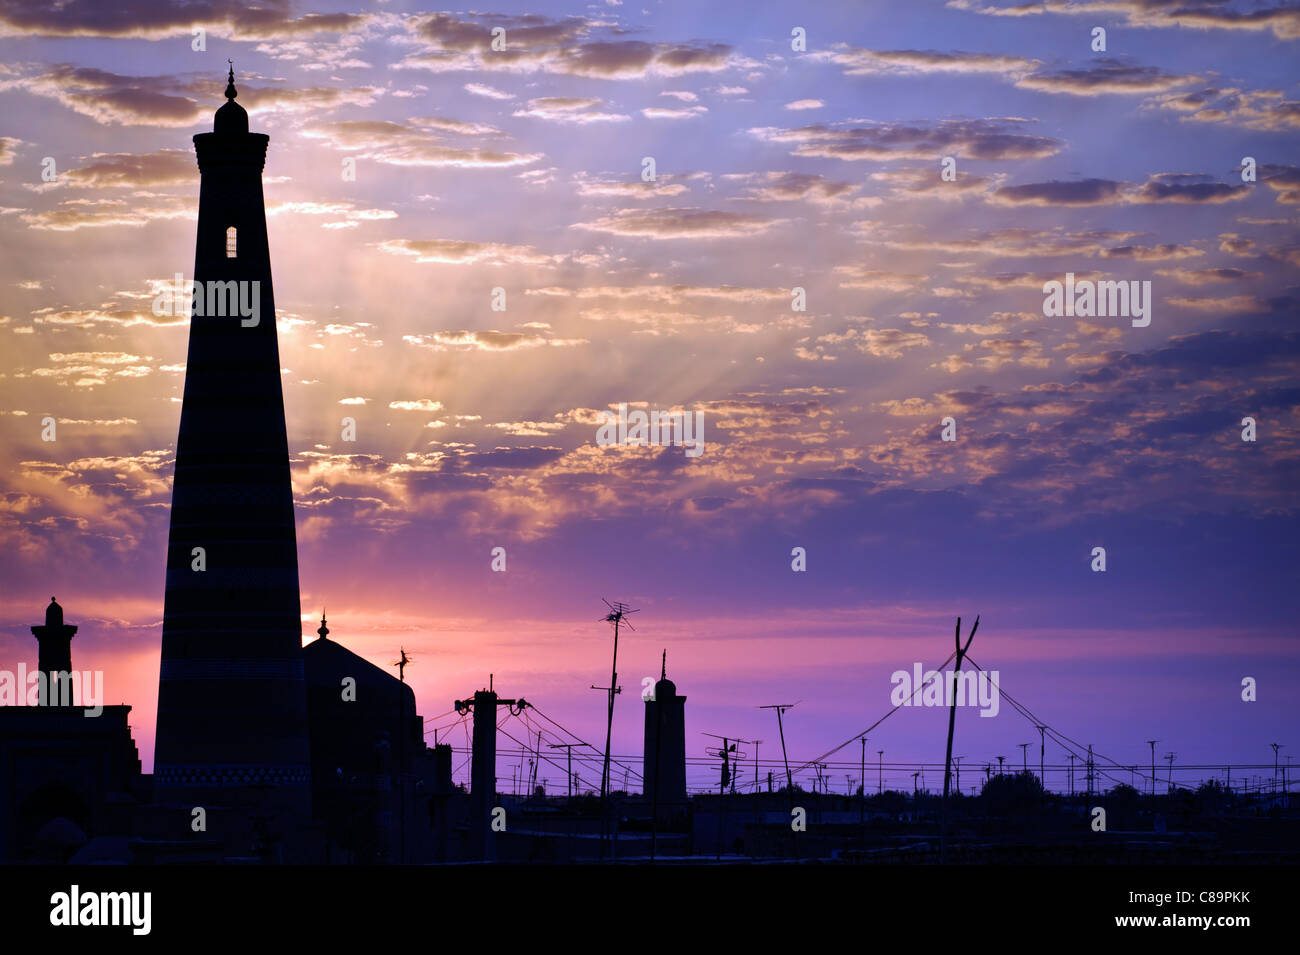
[[756, 779], [483, 777], [729, 744], [781, 708], [568, 747], [880, 768], [1072, 759], [1042, 746], [1152, 744], [1000, 759], [863, 769], [618, 612], [862, 797], [952, 724], [1170, 757], [1024, 759], [957, 760], [1276, 747], [1089, 770]]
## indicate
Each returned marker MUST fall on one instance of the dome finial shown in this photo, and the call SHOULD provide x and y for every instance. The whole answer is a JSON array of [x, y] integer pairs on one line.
[[230, 85], [323, 630]]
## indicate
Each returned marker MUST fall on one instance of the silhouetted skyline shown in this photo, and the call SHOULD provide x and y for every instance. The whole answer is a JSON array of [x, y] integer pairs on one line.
[[776, 170]]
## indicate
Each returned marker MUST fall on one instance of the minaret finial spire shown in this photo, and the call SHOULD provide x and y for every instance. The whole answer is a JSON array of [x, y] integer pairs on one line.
[[663, 671], [230, 85]]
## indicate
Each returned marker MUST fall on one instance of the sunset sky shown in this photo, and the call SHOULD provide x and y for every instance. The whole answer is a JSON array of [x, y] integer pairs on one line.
[[775, 169]]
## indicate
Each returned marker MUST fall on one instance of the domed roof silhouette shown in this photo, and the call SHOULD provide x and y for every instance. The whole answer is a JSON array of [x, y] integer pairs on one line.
[[231, 119]]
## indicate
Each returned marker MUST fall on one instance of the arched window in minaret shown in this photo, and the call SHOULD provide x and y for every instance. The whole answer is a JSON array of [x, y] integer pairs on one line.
[[230, 242]]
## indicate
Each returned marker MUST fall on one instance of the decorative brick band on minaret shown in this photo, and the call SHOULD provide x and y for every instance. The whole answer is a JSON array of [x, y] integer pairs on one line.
[[231, 695]]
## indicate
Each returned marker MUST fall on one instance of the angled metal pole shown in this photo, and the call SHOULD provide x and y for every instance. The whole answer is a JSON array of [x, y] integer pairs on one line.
[[952, 723]]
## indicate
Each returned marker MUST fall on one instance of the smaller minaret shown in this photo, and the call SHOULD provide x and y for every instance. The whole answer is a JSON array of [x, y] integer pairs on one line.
[[663, 761], [322, 631], [55, 651]]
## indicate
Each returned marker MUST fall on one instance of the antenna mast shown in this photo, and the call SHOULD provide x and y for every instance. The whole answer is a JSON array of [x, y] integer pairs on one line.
[[617, 616]]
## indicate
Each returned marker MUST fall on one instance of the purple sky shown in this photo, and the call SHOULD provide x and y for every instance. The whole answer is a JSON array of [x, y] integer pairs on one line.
[[776, 169]]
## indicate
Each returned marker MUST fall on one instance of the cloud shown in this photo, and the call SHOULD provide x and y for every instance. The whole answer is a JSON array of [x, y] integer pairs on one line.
[[1284, 180], [685, 223], [999, 352], [1186, 188], [878, 342], [73, 214], [1266, 110], [457, 126], [537, 44], [488, 341], [463, 252], [1235, 303], [1152, 253], [799, 186], [1105, 77], [859, 276], [167, 167], [1102, 76], [1208, 276], [397, 144], [344, 215], [969, 139], [927, 183], [110, 98], [88, 318], [800, 104], [862, 62], [489, 92], [567, 109], [671, 294], [663, 186], [1189, 189], [687, 112], [8, 148], [1080, 192], [1009, 243], [1283, 21], [89, 18]]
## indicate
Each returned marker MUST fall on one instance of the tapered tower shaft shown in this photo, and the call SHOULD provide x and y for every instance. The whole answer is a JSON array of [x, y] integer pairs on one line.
[[231, 698]]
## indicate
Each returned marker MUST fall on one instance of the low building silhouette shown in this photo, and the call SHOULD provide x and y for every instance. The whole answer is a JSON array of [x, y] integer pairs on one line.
[[67, 778]]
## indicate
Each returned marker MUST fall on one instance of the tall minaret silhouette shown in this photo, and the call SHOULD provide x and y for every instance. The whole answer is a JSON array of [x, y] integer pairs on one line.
[[232, 709]]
